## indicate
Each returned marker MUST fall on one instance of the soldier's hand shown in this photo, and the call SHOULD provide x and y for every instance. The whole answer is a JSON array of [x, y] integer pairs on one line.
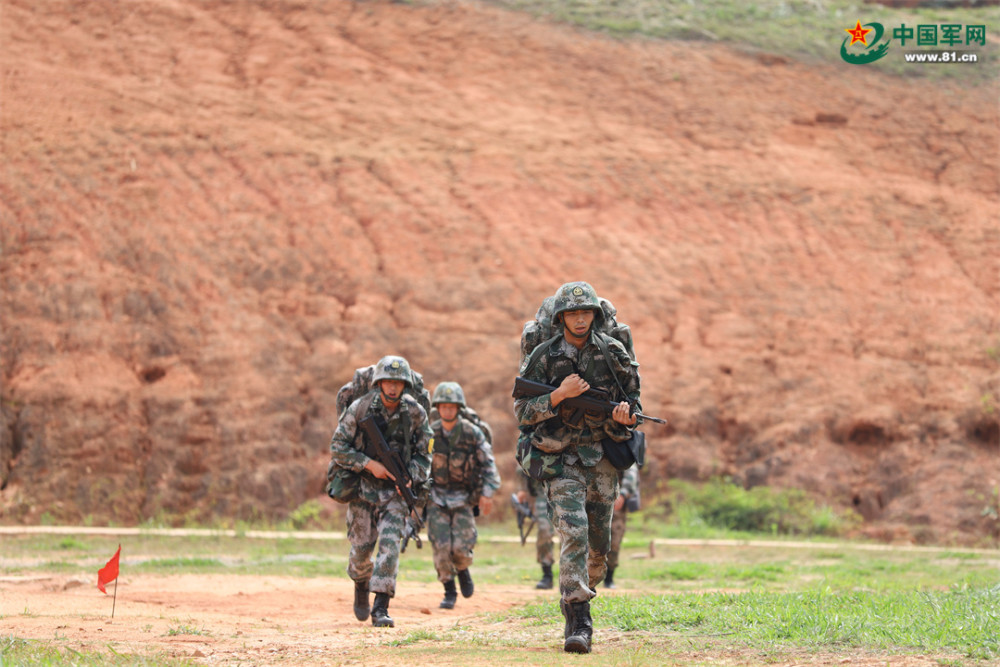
[[522, 496], [485, 505], [571, 387], [622, 416], [378, 470], [619, 503]]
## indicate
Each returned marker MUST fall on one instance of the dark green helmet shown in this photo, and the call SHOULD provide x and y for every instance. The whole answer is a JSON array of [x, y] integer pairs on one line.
[[393, 368], [577, 296], [448, 392]]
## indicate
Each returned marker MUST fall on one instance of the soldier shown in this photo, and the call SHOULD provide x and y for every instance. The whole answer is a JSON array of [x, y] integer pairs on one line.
[[543, 538], [582, 484], [627, 501], [464, 479], [379, 511]]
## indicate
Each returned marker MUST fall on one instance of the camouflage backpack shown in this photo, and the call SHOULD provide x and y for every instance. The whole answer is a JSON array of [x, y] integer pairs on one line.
[[362, 383], [542, 329]]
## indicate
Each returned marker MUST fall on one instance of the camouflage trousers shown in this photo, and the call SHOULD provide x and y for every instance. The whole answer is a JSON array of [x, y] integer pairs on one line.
[[366, 524], [543, 538], [618, 521], [582, 500], [453, 534]]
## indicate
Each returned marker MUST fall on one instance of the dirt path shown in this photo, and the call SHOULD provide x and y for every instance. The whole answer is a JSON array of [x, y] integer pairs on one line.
[[264, 620], [227, 618]]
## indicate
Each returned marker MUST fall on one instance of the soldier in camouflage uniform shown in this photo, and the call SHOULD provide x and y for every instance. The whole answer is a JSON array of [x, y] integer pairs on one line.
[[543, 538], [379, 513], [628, 483], [582, 485], [464, 479]]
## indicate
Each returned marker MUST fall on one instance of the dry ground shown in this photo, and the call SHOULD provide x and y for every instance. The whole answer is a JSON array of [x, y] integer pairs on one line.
[[262, 620]]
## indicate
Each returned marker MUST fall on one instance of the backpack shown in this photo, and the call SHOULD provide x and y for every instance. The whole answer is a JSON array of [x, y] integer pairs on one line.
[[542, 328], [361, 384]]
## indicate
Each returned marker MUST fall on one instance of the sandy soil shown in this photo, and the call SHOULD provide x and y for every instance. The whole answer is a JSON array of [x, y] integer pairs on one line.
[[262, 620]]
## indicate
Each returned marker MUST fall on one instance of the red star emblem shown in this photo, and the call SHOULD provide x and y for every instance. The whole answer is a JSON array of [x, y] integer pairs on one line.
[[858, 33]]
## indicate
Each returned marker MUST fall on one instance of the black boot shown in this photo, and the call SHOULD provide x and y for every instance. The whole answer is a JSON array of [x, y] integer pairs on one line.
[[450, 595], [545, 583], [465, 583], [567, 611], [361, 606], [609, 578], [583, 629], [380, 612]]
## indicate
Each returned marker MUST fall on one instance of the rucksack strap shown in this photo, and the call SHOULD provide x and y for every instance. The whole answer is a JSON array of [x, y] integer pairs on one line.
[[603, 344], [536, 354]]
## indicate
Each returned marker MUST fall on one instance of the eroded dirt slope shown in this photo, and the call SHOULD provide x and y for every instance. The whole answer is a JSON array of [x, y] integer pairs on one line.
[[212, 212]]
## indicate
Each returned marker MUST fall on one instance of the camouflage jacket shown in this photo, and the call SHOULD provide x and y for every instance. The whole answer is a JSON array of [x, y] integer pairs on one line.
[[347, 444], [462, 466], [563, 359]]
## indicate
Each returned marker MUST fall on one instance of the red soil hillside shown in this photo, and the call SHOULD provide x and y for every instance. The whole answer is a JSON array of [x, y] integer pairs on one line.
[[212, 212]]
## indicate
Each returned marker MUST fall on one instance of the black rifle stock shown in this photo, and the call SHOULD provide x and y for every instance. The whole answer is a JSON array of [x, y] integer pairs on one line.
[[592, 400], [524, 513], [393, 462]]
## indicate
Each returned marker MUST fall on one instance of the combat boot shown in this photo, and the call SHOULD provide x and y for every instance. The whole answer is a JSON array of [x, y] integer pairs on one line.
[[583, 628], [361, 606], [465, 583], [545, 583], [567, 612], [609, 578], [380, 612], [450, 595]]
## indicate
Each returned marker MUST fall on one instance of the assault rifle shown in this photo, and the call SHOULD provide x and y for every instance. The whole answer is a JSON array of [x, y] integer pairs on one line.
[[592, 400], [380, 450], [524, 513], [411, 532]]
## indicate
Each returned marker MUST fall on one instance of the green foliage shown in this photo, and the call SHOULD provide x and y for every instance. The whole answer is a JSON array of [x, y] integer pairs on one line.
[[305, 515], [724, 505], [186, 629]]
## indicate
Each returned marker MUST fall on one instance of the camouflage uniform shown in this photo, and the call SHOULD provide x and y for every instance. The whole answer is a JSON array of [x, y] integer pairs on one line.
[[379, 513], [628, 481], [581, 483], [582, 496], [462, 469]]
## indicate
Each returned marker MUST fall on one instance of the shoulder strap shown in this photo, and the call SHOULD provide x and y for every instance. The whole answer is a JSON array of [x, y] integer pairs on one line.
[[603, 344], [537, 353]]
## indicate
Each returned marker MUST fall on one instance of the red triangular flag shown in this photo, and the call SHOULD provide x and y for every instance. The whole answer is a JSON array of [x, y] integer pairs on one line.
[[109, 572]]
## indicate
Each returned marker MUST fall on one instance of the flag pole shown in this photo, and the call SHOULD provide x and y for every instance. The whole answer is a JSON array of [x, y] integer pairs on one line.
[[114, 598]]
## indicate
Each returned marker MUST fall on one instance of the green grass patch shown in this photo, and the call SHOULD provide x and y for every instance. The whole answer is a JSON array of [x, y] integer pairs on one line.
[[31, 653]]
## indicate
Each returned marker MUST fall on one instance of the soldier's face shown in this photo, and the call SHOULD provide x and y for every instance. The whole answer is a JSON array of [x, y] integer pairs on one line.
[[448, 411], [577, 322], [392, 389]]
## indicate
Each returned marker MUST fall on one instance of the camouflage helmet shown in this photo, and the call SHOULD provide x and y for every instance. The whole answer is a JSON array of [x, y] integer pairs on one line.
[[448, 392], [576, 296], [393, 368]]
